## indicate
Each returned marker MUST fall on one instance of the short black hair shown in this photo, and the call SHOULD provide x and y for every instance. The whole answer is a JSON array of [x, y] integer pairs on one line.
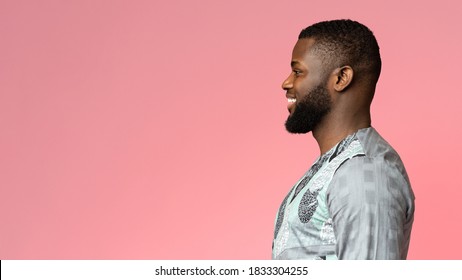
[[345, 42]]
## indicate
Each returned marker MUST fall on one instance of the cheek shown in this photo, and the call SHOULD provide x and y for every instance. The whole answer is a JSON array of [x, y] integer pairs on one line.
[[302, 88], [301, 84]]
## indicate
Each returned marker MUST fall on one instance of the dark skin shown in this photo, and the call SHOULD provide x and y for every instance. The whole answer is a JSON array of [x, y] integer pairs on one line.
[[351, 94]]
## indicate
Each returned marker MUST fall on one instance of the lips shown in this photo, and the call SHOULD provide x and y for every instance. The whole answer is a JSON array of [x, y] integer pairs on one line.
[[291, 102]]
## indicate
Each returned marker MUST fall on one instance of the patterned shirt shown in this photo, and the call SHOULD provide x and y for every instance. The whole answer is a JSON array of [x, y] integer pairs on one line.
[[355, 202]]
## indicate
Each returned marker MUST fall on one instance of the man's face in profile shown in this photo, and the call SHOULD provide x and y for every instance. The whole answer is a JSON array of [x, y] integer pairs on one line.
[[308, 98]]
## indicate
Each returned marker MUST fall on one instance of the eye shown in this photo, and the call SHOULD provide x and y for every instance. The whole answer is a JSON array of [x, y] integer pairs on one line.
[[296, 72]]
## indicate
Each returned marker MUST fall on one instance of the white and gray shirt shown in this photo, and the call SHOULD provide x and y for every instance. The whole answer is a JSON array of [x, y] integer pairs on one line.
[[355, 202]]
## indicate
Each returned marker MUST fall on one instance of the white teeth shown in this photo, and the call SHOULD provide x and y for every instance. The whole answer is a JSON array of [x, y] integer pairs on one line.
[[291, 100]]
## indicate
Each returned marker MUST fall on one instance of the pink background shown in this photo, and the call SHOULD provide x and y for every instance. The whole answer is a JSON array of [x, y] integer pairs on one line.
[[154, 129]]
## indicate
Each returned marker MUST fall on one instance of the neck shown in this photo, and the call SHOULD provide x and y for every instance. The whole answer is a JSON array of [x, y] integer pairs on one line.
[[332, 130]]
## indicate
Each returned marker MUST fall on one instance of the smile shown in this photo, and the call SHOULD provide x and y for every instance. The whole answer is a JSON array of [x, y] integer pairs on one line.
[[291, 100]]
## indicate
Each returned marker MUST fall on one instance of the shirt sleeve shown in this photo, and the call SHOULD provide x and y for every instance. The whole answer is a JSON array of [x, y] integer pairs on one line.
[[371, 205]]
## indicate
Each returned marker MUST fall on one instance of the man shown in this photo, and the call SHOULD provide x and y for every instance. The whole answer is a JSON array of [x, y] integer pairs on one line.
[[355, 202]]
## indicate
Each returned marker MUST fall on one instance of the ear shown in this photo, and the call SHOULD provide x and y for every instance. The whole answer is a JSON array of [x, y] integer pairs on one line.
[[343, 78]]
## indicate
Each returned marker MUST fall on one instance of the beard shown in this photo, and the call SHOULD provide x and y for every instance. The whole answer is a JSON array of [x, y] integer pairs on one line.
[[309, 111]]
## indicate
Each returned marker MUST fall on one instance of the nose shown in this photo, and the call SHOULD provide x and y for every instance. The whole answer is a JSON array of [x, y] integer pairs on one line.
[[288, 83]]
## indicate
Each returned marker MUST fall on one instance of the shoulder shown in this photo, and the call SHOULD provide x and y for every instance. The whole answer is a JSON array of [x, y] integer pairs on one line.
[[377, 156], [378, 152], [376, 175]]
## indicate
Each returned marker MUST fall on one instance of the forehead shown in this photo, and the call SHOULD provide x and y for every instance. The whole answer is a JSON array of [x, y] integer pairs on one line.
[[303, 54]]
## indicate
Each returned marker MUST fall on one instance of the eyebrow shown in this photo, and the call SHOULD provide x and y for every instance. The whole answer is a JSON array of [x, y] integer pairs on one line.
[[294, 63]]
